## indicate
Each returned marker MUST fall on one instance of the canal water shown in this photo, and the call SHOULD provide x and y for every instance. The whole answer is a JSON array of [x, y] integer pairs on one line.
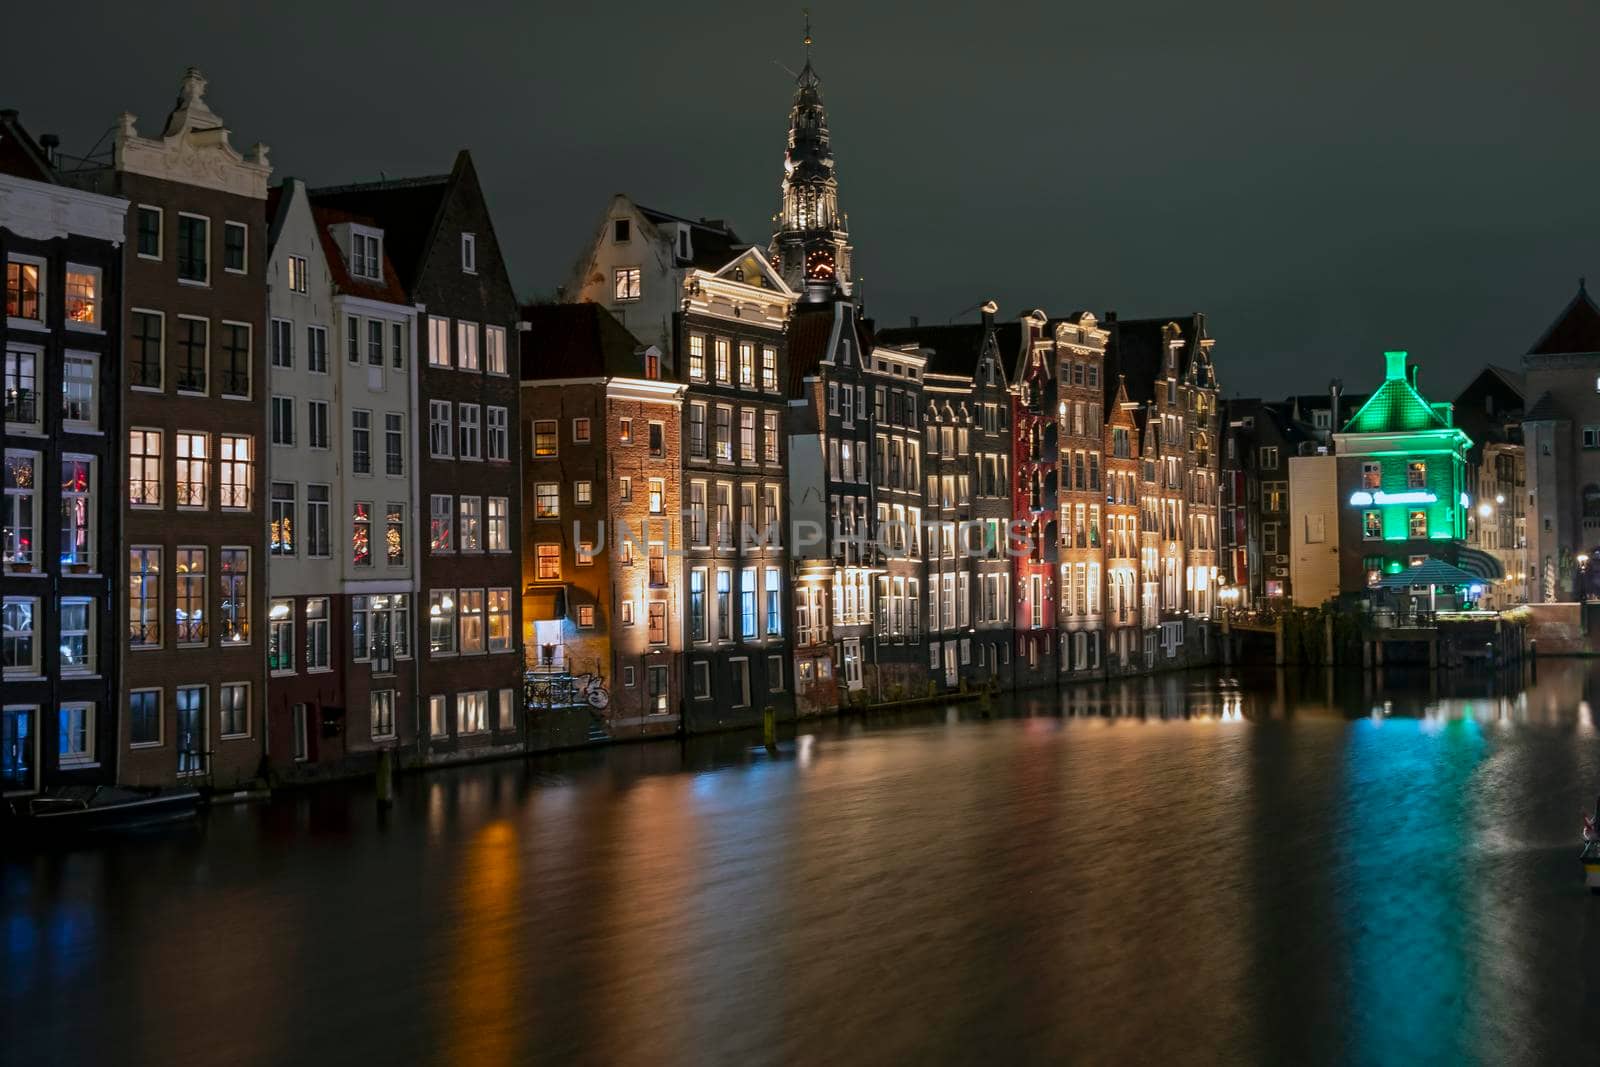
[[1186, 869]]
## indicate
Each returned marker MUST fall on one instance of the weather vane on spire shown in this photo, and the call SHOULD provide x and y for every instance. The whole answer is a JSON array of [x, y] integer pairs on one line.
[[807, 12]]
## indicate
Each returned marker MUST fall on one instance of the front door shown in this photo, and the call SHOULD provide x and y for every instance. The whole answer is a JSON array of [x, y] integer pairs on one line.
[[852, 663], [191, 729], [17, 749]]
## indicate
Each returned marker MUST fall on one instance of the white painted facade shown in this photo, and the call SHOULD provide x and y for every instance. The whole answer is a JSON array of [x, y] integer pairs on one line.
[[348, 385]]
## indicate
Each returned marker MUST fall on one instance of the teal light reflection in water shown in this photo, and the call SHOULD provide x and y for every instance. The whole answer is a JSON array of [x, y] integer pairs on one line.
[[1405, 843]]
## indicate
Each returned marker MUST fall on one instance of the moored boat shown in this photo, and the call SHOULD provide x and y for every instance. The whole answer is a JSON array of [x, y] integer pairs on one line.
[[72, 811]]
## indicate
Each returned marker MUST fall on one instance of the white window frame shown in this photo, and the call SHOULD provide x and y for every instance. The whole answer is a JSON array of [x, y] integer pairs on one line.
[[97, 300], [77, 759], [469, 253], [223, 733], [228, 224]]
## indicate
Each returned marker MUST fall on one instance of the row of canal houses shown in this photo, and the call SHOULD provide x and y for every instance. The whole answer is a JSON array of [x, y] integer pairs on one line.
[[327, 490], [742, 493], [284, 538]]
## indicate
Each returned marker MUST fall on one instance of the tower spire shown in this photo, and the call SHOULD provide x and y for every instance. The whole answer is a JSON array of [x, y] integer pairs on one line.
[[810, 239]]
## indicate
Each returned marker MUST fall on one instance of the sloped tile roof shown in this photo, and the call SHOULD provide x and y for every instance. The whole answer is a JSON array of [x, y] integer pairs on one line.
[[810, 328], [578, 341], [952, 349], [1576, 329], [389, 290], [1395, 407], [406, 210]]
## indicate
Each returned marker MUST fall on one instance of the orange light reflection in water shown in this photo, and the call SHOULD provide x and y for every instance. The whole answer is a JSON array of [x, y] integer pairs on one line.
[[482, 987]]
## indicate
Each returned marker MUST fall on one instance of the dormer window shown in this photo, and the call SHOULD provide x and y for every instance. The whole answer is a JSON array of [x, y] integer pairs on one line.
[[469, 253], [366, 255]]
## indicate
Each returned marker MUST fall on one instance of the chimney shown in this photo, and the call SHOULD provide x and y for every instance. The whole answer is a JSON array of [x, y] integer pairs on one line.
[[914, 322], [1394, 366], [1110, 316], [49, 142]]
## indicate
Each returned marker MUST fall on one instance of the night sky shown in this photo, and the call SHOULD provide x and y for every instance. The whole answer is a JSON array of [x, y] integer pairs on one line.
[[1323, 183]]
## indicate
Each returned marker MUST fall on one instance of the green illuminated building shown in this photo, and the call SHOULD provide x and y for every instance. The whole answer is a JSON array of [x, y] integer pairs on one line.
[[1403, 486]]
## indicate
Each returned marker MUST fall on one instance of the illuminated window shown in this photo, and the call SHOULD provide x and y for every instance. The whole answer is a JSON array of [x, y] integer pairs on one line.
[[83, 296], [192, 469], [441, 523], [1418, 523], [547, 500], [722, 352], [583, 493], [580, 431], [625, 431], [747, 365], [544, 436], [1416, 474], [548, 563], [586, 616], [657, 634], [76, 733], [234, 606], [471, 615], [697, 357], [441, 622], [23, 289], [280, 636], [625, 283], [471, 539], [499, 620], [769, 368], [144, 468], [498, 524], [1371, 475], [658, 492], [316, 633], [189, 612], [280, 519], [494, 349], [144, 597], [1372, 525], [237, 471], [361, 534], [467, 345]]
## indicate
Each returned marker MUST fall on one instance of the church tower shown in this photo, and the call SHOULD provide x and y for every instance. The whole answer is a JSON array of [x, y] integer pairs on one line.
[[810, 236]]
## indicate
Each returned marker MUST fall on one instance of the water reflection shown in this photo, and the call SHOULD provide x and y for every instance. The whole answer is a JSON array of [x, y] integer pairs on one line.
[[1259, 867]]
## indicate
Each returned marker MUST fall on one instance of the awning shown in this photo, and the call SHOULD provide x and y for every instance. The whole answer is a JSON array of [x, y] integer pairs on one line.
[[1429, 572], [1478, 562], [544, 603]]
